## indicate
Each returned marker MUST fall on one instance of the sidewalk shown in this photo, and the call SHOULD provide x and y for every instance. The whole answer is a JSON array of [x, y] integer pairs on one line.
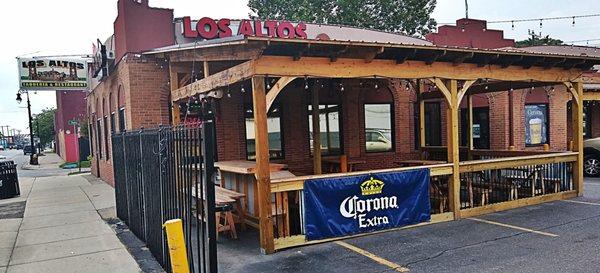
[[61, 229]]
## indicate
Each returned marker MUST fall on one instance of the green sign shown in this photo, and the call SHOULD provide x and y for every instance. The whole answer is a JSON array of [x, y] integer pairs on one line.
[[73, 122]]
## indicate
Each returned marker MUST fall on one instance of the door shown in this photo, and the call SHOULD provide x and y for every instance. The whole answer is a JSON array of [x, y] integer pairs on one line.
[[481, 127]]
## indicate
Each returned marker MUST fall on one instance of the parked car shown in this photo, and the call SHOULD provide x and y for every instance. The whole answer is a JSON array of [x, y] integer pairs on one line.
[[27, 149], [591, 161], [378, 140], [19, 146]]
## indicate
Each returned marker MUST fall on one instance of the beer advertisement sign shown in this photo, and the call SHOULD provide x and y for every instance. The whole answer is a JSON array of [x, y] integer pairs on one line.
[[536, 124], [335, 207], [53, 74]]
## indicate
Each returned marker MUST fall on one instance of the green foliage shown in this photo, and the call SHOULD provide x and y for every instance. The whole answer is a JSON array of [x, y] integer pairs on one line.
[[412, 17], [536, 40], [43, 125]]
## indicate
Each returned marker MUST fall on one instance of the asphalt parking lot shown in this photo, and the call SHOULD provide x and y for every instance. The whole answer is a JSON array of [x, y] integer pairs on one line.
[[561, 236]]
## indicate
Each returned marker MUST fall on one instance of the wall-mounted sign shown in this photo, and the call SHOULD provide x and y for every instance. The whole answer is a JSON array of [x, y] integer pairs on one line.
[[207, 28], [52, 74], [476, 130], [536, 124], [335, 207]]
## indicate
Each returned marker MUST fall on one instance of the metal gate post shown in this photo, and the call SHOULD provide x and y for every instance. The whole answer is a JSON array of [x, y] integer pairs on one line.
[[208, 128]]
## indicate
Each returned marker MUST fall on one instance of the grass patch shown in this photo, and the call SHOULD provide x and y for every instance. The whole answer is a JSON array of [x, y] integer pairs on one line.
[[84, 164]]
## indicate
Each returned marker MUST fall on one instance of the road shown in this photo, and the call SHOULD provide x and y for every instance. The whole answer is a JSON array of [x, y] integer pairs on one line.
[[43, 171], [561, 236]]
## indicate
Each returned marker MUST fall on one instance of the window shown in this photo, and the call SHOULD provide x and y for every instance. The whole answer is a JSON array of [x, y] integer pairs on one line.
[[106, 137], [122, 119], [112, 123], [90, 129], [433, 124], [330, 127], [536, 124], [274, 129], [378, 128], [99, 137]]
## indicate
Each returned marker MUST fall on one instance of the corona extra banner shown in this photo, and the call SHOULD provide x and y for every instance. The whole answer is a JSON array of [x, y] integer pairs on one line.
[[335, 207], [53, 74]]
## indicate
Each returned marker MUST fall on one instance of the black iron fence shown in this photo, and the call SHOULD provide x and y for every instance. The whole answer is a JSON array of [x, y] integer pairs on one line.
[[167, 173]]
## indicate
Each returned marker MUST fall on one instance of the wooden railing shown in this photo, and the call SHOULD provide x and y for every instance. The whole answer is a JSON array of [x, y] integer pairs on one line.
[[292, 189]]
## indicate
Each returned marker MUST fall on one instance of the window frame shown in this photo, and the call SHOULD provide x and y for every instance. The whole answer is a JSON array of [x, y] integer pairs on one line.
[[106, 137], [392, 127], [547, 123], [122, 122], [99, 131], [281, 124], [340, 125]]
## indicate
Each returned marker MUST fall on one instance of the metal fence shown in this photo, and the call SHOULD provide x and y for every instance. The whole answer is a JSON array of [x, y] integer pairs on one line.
[[167, 173]]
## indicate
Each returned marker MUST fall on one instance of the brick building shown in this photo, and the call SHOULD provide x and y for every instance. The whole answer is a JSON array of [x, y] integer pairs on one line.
[[70, 105], [135, 93]]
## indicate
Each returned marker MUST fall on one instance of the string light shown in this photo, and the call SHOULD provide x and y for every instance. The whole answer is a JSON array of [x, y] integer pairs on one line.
[[305, 83], [242, 89], [541, 23], [268, 83]]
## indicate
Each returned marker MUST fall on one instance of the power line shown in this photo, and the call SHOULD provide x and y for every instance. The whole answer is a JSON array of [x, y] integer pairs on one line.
[[513, 21]]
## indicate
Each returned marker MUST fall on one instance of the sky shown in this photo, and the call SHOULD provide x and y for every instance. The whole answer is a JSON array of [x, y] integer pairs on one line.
[[58, 27]]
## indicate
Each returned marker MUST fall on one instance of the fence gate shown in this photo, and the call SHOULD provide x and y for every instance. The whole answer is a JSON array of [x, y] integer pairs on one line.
[[168, 173]]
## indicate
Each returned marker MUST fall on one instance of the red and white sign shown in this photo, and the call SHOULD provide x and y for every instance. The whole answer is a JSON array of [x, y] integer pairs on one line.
[[207, 28]]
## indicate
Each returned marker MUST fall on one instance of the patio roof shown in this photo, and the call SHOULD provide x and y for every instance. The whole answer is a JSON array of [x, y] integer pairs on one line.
[[334, 49]]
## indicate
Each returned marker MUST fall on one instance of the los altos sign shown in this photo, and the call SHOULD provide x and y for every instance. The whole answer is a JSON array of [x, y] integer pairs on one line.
[[208, 28]]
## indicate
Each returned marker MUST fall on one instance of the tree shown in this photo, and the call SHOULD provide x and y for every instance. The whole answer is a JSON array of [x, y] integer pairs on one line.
[[43, 126], [412, 17], [538, 39]]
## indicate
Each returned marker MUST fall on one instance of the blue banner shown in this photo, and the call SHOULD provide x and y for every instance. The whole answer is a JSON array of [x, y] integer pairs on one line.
[[335, 207]]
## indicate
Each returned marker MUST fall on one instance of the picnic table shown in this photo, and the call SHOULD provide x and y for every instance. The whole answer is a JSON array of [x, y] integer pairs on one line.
[[225, 198]]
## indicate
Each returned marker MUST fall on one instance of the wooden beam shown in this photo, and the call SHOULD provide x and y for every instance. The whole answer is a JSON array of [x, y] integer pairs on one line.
[[316, 131], [231, 53], [487, 59], [206, 69], [421, 114], [470, 126], [263, 175], [276, 89], [356, 68], [554, 62], [435, 56], [573, 91], [509, 61], [444, 89], [591, 96], [221, 79], [174, 82], [577, 115], [333, 57], [299, 53], [464, 90]]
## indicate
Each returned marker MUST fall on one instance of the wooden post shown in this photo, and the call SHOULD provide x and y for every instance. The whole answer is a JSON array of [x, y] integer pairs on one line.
[[343, 163], [174, 82], [422, 142], [577, 115], [470, 126], [450, 90], [316, 129], [205, 69], [263, 175]]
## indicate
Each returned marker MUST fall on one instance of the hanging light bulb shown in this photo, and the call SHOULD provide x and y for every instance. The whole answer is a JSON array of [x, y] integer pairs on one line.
[[512, 25], [341, 87], [573, 24], [541, 23], [376, 86], [487, 87], [305, 83], [242, 89]]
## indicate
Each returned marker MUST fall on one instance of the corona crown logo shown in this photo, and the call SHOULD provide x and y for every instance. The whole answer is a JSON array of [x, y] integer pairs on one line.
[[371, 186]]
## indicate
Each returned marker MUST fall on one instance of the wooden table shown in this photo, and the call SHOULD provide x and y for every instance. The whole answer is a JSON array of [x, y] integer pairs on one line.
[[334, 162], [225, 197], [528, 174], [239, 176], [419, 162]]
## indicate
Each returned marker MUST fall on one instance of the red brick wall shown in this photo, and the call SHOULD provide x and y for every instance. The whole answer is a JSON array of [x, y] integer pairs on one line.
[[294, 100], [145, 96], [470, 33]]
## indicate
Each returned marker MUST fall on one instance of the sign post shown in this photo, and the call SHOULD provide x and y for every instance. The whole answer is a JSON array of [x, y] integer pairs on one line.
[[74, 123]]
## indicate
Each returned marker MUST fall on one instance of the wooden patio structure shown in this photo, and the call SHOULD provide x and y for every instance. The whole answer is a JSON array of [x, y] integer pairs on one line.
[[457, 73]]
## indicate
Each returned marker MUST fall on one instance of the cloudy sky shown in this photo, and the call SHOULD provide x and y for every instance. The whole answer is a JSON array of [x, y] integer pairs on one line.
[[41, 27]]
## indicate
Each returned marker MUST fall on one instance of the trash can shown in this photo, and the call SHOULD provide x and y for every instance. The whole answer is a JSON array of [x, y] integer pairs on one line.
[[9, 181]]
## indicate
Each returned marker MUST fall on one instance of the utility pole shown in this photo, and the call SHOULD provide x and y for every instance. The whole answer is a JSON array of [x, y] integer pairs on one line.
[[32, 158], [467, 9]]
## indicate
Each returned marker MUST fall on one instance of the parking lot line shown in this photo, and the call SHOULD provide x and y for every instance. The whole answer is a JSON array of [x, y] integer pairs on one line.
[[582, 202], [513, 227], [373, 257]]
